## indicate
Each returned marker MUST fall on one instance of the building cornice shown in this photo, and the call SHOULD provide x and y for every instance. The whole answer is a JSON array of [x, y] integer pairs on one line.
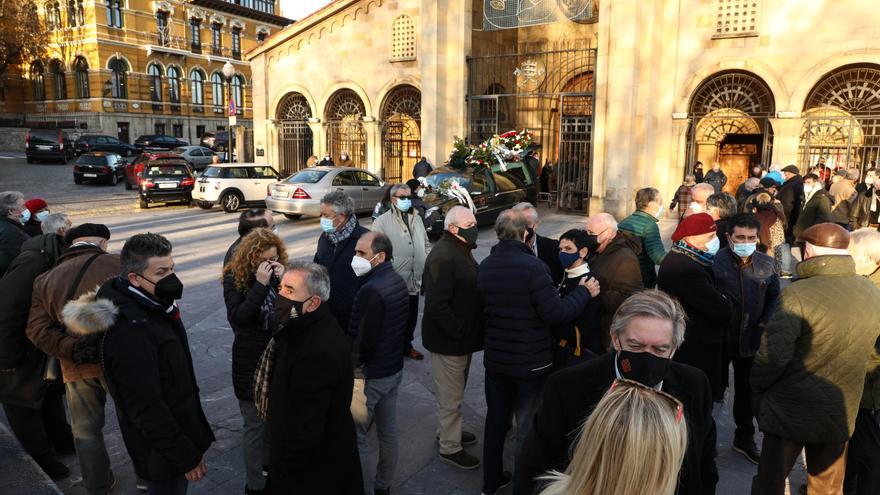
[[231, 8]]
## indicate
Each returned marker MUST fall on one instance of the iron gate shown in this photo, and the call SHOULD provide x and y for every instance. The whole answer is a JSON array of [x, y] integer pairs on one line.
[[400, 151], [295, 143], [548, 89], [840, 142], [348, 136]]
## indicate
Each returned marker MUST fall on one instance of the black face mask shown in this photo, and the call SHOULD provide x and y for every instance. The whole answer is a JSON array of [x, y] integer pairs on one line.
[[287, 309], [530, 234], [469, 235], [167, 290], [642, 367]]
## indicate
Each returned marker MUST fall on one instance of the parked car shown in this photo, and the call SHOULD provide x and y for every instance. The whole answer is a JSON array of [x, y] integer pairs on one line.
[[48, 144], [136, 166], [301, 193], [233, 185], [97, 142], [99, 166], [198, 157], [165, 183], [155, 142], [492, 191], [216, 140]]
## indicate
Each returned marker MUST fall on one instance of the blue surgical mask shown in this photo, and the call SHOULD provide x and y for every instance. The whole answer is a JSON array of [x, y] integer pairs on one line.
[[25, 216], [713, 245], [404, 204], [568, 259], [743, 250], [327, 225], [41, 216], [659, 213]]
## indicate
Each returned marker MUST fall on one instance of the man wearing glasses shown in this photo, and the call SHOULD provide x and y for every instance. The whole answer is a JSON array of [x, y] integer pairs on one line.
[[647, 330]]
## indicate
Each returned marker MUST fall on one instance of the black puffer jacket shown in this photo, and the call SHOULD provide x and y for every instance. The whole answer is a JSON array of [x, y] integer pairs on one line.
[[522, 305], [243, 313], [12, 236]]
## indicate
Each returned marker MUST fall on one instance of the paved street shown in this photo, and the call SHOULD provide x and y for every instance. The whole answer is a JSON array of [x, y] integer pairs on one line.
[[200, 239]]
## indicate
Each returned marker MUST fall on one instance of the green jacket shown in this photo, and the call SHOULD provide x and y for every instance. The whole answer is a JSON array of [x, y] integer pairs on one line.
[[809, 373], [644, 226], [871, 397]]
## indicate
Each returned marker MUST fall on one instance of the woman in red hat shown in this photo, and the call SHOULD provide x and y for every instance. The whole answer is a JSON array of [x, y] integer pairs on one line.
[[39, 210]]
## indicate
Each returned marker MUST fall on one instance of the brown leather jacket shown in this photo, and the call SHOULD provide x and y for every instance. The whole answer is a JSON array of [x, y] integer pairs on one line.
[[44, 327]]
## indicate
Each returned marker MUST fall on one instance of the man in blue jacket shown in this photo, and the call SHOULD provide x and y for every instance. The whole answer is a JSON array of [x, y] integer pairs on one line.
[[378, 328], [521, 306]]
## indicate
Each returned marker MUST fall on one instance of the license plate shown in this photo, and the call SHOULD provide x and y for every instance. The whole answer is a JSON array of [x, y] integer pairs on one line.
[[167, 185], [90, 175], [39, 147], [281, 194]]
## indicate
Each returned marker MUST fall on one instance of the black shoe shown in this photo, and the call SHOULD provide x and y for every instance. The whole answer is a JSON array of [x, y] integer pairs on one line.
[[748, 449], [506, 480], [54, 468], [382, 491], [468, 438], [461, 459]]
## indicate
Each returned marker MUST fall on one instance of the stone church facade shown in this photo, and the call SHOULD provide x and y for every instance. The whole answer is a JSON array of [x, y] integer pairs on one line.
[[620, 94]]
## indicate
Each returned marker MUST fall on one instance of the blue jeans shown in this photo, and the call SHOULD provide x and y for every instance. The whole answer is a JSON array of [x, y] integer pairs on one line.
[[86, 400], [381, 396], [506, 396], [174, 486], [253, 445]]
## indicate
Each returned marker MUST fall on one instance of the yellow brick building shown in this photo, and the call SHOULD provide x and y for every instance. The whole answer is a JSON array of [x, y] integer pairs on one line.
[[133, 67]]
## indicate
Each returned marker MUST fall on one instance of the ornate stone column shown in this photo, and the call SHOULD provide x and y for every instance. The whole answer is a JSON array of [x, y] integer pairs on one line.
[[787, 127]]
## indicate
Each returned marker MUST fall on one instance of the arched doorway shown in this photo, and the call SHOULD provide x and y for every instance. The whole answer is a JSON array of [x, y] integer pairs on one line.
[[842, 120], [294, 135], [345, 127], [575, 141], [401, 133], [730, 125]]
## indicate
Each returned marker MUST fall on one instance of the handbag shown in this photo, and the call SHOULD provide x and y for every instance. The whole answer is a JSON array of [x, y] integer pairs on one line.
[[564, 356], [25, 386]]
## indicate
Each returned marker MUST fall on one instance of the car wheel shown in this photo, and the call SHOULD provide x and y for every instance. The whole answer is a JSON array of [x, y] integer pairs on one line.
[[292, 216], [204, 205], [143, 204], [113, 179], [30, 160], [231, 201], [77, 180]]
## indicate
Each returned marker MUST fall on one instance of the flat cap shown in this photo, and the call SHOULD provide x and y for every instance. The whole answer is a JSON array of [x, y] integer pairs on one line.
[[87, 230], [696, 224], [829, 235], [791, 169]]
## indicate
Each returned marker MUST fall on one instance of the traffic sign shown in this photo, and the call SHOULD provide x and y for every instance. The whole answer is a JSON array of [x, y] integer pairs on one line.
[[232, 108]]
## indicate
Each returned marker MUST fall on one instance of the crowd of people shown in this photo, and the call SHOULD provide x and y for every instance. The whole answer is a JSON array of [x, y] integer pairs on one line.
[[605, 354]]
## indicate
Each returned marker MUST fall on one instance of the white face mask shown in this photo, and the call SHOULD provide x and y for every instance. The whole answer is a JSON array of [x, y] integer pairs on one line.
[[696, 207], [869, 180], [362, 266]]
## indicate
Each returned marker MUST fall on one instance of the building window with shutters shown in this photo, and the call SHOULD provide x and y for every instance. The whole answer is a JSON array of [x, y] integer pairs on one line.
[[217, 38], [403, 39], [114, 13], [195, 35], [217, 92], [236, 43], [197, 89]]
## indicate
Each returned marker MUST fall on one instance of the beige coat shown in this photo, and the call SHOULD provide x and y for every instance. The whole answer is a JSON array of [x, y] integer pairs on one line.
[[409, 243]]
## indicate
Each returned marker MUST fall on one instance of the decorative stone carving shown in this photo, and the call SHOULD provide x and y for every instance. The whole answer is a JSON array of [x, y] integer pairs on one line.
[[162, 7]]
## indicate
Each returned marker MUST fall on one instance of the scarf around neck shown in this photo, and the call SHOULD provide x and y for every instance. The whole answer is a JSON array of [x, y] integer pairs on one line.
[[339, 236], [695, 254]]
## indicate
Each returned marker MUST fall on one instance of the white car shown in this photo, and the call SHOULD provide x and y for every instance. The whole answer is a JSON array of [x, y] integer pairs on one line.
[[233, 185]]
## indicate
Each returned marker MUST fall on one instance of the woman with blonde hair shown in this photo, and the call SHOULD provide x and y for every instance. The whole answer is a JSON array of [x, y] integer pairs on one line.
[[250, 288], [633, 443]]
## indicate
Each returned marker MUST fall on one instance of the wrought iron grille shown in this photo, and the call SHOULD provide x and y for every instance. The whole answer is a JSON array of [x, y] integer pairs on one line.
[[735, 90], [294, 134], [548, 89], [401, 133], [345, 128], [511, 14], [343, 104]]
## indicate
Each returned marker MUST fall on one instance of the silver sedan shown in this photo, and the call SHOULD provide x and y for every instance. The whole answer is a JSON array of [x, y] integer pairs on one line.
[[198, 157], [301, 193]]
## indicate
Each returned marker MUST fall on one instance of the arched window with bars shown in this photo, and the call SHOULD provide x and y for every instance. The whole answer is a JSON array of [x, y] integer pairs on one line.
[[81, 71]]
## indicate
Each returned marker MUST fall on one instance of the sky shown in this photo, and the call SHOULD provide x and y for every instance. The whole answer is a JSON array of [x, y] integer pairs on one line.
[[297, 9]]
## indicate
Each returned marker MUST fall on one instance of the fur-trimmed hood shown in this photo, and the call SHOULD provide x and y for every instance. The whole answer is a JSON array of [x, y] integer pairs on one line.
[[88, 315]]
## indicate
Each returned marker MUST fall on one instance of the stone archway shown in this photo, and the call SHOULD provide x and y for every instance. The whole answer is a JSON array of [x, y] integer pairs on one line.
[[295, 141], [344, 119], [401, 132]]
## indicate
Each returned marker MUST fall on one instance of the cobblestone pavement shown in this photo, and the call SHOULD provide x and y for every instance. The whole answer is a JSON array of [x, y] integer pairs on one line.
[[200, 239]]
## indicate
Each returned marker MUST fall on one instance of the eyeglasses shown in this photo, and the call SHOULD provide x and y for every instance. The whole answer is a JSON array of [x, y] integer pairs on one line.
[[676, 404], [404, 197]]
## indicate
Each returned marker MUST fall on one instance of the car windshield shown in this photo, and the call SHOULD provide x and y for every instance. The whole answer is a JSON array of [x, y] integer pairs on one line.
[[166, 170], [91, 160], [436, 180], [212, 172], [307, 177]]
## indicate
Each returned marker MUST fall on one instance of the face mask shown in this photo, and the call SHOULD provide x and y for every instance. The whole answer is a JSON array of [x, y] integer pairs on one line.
[[696, 207], [41, 216], [167, 290], [659, 213], [404, 204], [25, 216], [568, 259], [713, 245], [642, 367], [869, 181], [469, 235], [287, 309], [327, 225], [275, 230], [361, 266], [420, 193], [743, 250], [530, 234]]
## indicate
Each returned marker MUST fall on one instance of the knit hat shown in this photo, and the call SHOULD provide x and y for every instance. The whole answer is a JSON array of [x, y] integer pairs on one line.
[[696, 224], [791, 169], [776, 176], [768, 182], [87, 230], [35, 205]]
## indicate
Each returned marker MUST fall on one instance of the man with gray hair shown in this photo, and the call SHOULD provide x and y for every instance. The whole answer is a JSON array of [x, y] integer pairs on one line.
[[647, 330], [13, 216], [56, 223], [701, 193], [546, 249], [522, 306], [341, 232], [314, 444], [616, 264]]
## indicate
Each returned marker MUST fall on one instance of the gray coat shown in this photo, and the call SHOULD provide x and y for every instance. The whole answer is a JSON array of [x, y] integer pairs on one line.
[[409, 243]]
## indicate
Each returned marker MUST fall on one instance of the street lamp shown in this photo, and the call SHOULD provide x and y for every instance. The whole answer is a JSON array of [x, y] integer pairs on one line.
[[228, 72]]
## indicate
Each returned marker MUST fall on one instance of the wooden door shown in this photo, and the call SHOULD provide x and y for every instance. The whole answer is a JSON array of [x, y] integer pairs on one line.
[[735, 161]]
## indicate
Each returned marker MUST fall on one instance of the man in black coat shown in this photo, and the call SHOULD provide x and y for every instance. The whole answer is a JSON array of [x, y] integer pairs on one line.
[[817, 207], [522, 305], [250, 219], [36, 410], [312, 439], [546, 249], [378, 327], [453, 328], [646, 332], [791, 195], [422, 168], [12, 233], [686, 274], [148, 365], [341, 232]]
